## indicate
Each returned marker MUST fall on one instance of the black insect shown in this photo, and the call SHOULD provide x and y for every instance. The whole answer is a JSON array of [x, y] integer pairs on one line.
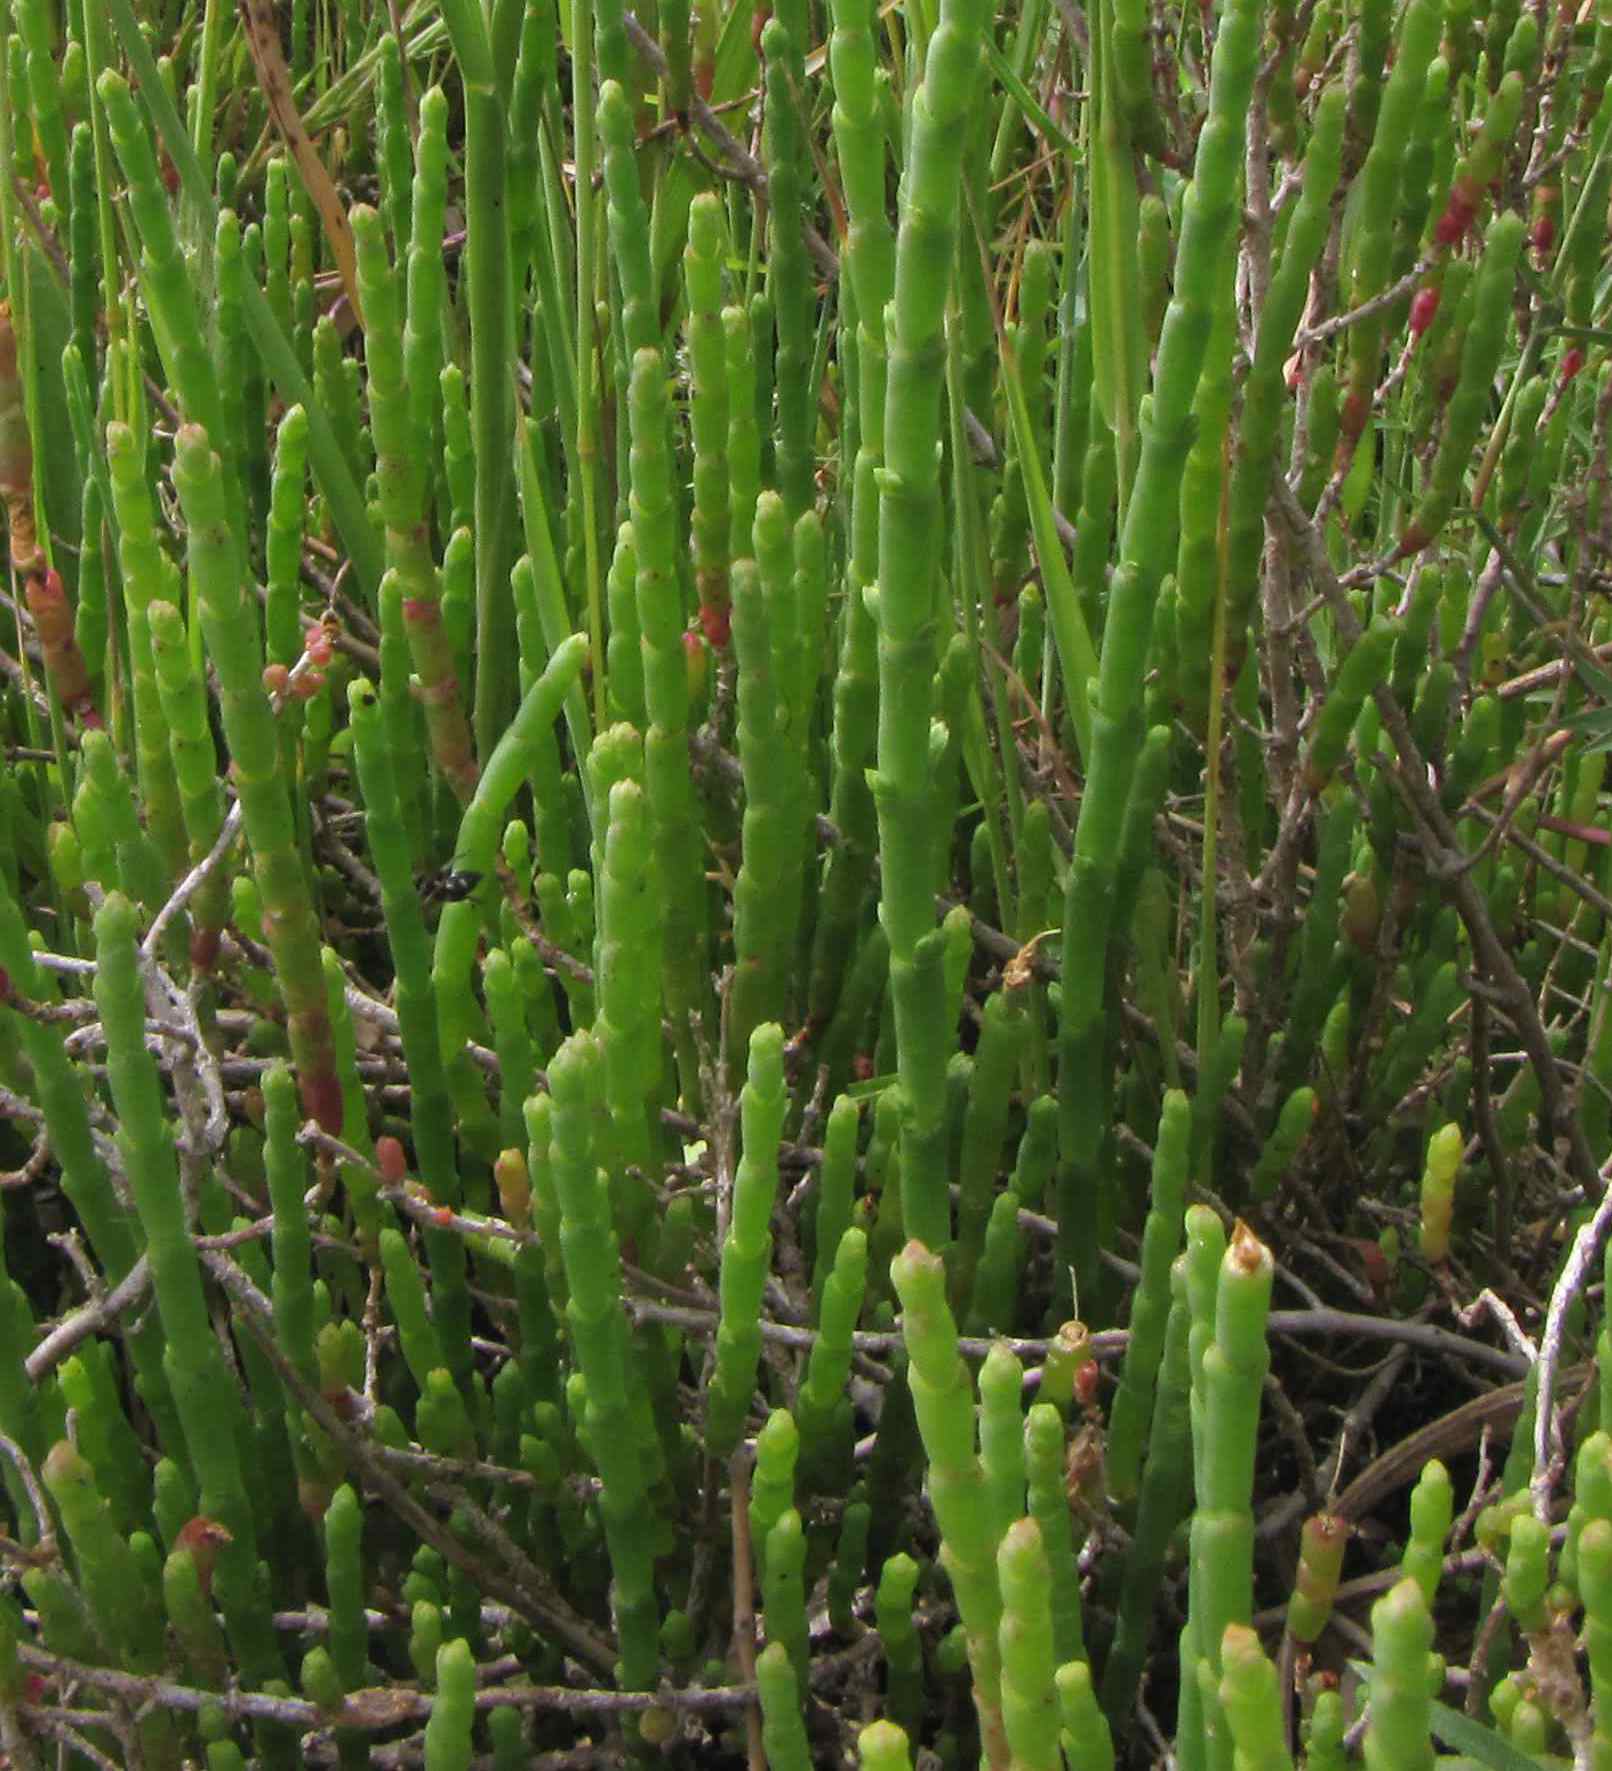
[[449, 886]]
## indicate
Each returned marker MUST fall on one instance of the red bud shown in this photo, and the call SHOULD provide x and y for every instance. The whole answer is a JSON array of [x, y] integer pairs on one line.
[[1086, 1380], [1458, 216], [203, 1537], [390, 1160]]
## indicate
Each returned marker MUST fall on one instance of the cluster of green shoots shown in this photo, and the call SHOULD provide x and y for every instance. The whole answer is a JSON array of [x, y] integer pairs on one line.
[[746, 760]]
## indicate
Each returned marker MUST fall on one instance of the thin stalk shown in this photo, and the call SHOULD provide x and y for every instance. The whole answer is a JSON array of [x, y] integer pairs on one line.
[[492, 337], [584, 155]]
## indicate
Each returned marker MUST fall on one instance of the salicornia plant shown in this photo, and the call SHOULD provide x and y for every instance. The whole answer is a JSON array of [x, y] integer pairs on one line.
[[805, 913]]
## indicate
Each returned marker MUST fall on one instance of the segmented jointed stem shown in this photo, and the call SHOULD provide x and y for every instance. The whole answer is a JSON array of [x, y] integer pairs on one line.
[[393, 158], [985, 1124], [205, 1393], [708, 414], [232, 346], [1595, 1583], [836, 1181], [747, 1250], [789, 279], [783, 1733], [823, 1406], [772, 1482], [1226, 1395], [1131, 1415], [453, 1710], [148, 574], [783, 1593], [942, 1396], [1047, 1502], [231, 627], [1025, 1633], [283, 541], [909, 557], [627, 972], [401, 453], [36, 28], [287, 1171], [768, 898], [629, 223], [1432, 1510], [599, 1334], [122, 1600], [666, 763], [422, 325], [1250, 1699], [625, 654], [898, 1637], [1397, 1734]]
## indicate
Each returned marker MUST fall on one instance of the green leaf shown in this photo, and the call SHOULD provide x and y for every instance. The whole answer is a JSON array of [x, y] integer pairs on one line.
[[1114, 280], [553, 616], [736, 68], [1025, 99], [1595, 727], [1076, 654], [873, 1087], [1478, 1741]]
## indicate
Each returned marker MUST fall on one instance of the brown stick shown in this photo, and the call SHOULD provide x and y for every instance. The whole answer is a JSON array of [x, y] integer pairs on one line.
[[263, 41]]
